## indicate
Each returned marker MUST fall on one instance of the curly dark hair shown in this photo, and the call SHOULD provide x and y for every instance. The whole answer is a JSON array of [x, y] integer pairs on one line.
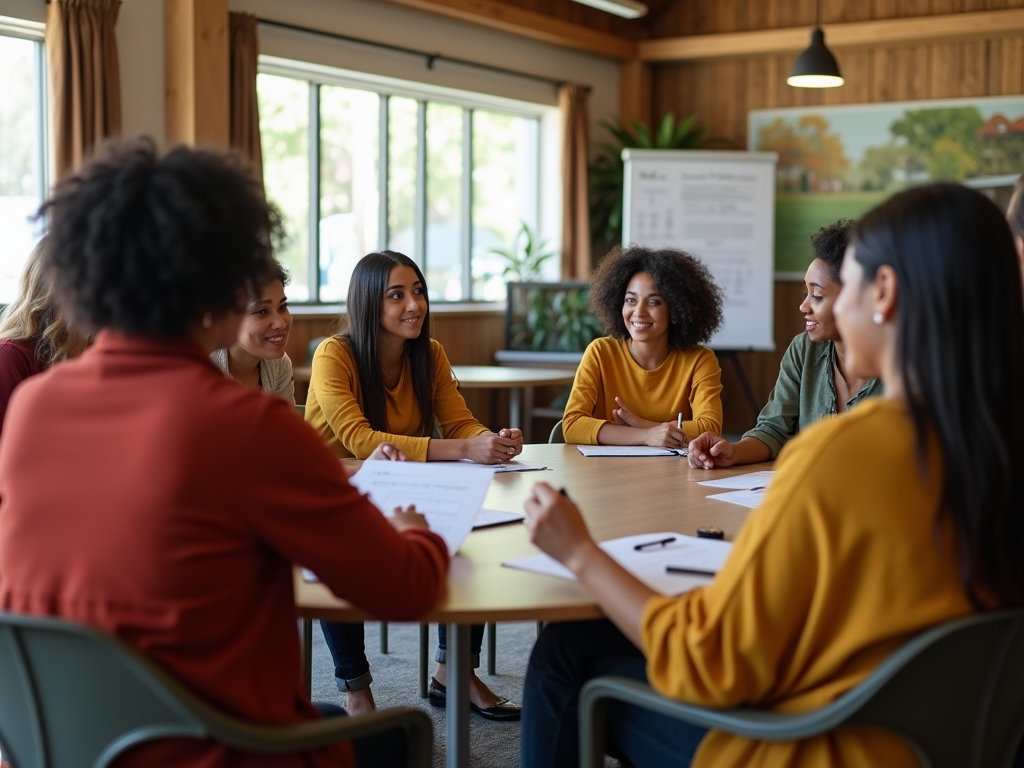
[[147, 245], [694, 301], [829, 244]]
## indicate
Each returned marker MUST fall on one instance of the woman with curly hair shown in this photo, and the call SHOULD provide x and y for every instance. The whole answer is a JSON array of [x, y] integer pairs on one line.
[[657, 307], [33, 333], [814, 381], [258, 358]]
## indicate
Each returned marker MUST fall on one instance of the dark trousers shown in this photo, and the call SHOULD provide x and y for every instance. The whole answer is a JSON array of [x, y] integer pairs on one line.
[[346, 643], [383, 750], [565, 657]]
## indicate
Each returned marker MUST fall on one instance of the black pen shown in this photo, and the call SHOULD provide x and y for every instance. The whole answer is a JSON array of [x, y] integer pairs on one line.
[[564, 492], [688, 571], [659, 543]]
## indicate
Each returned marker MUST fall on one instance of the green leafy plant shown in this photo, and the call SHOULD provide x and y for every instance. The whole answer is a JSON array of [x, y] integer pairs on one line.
[[605, 173], [524, 257], [556, 320]]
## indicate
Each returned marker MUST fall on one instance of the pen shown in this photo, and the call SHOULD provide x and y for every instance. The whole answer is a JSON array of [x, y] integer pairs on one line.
[[759, 488], [658, 543], [563, 492], [688, 571], [679, 422]]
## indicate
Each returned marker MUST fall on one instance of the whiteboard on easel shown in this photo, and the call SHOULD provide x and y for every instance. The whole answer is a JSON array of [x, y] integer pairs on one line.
[[720, 207]]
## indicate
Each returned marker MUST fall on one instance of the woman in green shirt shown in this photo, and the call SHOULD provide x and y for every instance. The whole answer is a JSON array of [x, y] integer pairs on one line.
[[813, 381]]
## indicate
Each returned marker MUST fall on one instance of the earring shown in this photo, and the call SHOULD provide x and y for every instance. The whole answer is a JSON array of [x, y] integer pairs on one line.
[[878, 318], [207, 320]]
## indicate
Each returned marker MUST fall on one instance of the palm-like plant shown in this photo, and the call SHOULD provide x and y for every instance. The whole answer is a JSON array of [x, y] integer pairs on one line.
[[605, 173]]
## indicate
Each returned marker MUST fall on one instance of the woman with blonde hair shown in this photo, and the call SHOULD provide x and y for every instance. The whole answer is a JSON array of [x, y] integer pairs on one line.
[[33, 333]]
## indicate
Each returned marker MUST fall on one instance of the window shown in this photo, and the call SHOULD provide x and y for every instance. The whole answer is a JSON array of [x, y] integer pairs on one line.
[[23, 172], [361, 163]]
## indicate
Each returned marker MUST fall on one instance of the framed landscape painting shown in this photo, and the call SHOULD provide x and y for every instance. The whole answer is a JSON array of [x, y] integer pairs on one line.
[[837, 162]]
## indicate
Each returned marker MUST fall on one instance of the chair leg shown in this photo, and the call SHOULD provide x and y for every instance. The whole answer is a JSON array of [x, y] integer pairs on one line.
[[424, 650], [492, 647], [540, 627], [384, 637]]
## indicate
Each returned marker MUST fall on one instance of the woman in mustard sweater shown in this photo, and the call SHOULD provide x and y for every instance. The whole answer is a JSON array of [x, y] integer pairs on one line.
[[386, 381], [906, 512], [657, 308]]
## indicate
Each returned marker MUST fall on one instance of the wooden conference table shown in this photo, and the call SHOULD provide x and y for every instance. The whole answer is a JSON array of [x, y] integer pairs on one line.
[[619, 496]]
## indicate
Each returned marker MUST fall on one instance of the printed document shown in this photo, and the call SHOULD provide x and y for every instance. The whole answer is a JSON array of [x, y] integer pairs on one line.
[[629, 450], [657, 552], [749, 481], [448, 495]]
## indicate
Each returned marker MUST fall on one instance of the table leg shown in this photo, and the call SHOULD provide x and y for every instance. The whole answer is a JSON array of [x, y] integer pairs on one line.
[[515, 407], [457, 705], [306, 638]]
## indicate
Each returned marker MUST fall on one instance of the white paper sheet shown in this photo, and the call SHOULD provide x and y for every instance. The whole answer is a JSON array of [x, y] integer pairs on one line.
[[448, 495], [751, 480], [648, 564], [488, 517], [508, 466], [629, 450], [751, 497]]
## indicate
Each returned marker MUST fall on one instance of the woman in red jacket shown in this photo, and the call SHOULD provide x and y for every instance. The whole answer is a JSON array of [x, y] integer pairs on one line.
[[185, 500]]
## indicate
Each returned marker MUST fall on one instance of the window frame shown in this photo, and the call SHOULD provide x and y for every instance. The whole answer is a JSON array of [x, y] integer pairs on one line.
[[547, 214]]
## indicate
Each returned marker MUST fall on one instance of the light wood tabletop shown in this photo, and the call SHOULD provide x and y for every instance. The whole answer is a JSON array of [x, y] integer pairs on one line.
[[619, 496], [501, 376]]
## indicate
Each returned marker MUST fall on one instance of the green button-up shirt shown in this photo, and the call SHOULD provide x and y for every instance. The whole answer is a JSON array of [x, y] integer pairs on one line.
[[805, 392]]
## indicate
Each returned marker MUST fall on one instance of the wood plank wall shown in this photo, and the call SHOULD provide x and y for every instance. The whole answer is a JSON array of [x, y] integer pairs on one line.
[[722, 93]]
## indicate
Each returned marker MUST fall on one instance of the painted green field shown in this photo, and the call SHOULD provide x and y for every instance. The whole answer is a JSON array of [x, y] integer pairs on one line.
[[798, 216]]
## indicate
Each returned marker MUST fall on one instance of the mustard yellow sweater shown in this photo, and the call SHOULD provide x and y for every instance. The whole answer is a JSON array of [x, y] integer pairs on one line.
[[836, 569], [688, 382], [334, 405]]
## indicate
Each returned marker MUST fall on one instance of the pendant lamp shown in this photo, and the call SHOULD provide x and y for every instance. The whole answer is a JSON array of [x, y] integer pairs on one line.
[[816, 67]]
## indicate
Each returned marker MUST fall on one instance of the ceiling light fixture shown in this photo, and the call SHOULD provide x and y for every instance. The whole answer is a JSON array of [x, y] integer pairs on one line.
[[627, 9], [816, 67]]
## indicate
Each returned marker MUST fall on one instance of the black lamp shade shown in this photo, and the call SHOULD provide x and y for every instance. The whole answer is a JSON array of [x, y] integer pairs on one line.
[[816, 67]]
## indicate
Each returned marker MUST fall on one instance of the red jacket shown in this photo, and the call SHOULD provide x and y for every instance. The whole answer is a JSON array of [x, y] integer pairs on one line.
[[145, 493]]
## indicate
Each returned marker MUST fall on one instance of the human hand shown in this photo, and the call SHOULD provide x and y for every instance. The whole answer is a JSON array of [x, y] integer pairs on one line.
[[709, 450], [665, 435], [625, 417], [556, 526], [404, 519], [490, 448], [387, 452], [515, 435]]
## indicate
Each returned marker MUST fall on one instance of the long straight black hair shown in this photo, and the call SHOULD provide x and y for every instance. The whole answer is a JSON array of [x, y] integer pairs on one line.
[[365, 296], [960, 351]]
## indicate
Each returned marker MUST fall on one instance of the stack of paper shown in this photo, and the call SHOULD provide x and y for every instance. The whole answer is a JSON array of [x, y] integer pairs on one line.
[[749, 488], [649, 563], [629, 450]]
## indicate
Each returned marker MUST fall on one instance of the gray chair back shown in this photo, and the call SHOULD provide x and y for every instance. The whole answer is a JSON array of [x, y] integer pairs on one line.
[[73, 696], [955, 693], [556, 435]]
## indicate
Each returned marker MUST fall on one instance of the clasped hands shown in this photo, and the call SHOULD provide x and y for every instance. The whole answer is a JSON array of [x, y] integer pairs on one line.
[[658, 434]]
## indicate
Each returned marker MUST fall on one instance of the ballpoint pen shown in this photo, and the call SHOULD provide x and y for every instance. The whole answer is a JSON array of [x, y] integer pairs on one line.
[[688, 571], [658, 543]]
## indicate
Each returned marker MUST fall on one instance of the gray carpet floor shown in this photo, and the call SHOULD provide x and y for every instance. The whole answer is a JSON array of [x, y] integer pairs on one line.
[[396, 683]]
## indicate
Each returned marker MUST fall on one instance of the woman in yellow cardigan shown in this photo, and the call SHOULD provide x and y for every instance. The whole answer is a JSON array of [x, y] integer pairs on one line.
[[906, 512], [386, 381], [658, 307]]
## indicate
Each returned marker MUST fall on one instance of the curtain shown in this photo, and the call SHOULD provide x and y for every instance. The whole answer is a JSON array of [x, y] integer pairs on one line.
[[85, 79], [576, 258], [245, 113]]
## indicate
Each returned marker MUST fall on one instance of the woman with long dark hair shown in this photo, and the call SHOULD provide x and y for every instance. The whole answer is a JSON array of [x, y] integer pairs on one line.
[[385, 380], [904, 513]]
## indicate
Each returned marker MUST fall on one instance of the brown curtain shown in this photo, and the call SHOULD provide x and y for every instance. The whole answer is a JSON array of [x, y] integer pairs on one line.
[[85, 80], [576, 259], [245, 113]]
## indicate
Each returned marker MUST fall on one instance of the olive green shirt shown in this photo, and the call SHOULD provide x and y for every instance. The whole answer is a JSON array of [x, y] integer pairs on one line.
[[804, 392]]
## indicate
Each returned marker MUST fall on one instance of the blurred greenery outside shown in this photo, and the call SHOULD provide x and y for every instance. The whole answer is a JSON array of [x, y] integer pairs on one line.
[[20, 175], [504, 182]]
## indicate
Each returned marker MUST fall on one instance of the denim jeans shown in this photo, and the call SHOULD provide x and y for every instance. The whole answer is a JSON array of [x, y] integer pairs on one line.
[[346, 643], [383, 750], [565, 657]]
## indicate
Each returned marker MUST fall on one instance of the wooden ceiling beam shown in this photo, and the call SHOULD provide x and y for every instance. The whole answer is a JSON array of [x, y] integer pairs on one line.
[[524, 23], [858, 34]]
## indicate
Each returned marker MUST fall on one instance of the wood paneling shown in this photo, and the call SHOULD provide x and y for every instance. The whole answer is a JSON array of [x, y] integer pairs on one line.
[[723, 92]]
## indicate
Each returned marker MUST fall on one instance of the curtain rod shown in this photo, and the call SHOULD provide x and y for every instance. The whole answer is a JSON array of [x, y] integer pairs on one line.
[[430, 58]]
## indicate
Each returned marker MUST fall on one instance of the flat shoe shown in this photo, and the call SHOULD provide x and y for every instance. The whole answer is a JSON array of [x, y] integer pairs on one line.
[[504, 710]]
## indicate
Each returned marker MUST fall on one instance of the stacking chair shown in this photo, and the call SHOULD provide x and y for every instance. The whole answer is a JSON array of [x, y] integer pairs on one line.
[[955, 693], [73, 696], [556, 435]]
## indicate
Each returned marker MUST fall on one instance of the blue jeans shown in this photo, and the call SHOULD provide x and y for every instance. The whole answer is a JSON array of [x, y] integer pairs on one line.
[[565, 657], [383, 750], [346, 643]]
